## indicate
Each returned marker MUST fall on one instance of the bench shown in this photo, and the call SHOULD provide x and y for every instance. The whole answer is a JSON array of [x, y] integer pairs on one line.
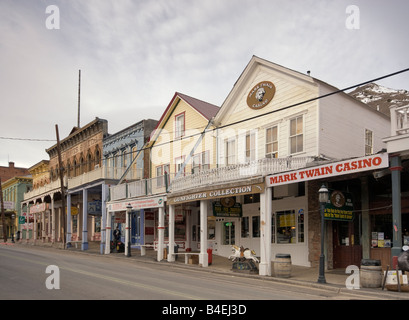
[[75, 242], [187, 255], [143, 247]]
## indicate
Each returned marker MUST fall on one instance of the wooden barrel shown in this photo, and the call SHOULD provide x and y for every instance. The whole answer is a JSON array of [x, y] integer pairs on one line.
[[371, 273], [282, 265]]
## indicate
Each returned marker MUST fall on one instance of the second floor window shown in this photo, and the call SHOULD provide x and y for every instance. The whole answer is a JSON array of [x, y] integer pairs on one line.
[[180, 125], [250, 146], [296, 135], [368, 142], [201, 161], [230, 152], [272, 142]]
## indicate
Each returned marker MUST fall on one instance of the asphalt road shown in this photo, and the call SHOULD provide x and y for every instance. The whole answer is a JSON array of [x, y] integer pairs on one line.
[[23, 276]]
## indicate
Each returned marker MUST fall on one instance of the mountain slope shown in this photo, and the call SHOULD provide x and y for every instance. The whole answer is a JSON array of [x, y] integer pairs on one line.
[[380, 97]]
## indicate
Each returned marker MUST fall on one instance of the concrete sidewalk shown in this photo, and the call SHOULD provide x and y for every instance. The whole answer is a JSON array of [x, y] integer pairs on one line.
[[304, 276]]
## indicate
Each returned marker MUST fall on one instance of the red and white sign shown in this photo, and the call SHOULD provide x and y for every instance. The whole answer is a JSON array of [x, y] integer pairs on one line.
[[373, 162], [143, 203]]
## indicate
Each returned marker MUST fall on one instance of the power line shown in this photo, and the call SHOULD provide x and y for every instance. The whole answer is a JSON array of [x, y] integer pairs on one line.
[[27, 139], [233, 123]]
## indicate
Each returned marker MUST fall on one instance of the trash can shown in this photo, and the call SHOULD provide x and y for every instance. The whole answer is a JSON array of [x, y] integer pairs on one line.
[[282, 265], [371, 273], [210, 256]]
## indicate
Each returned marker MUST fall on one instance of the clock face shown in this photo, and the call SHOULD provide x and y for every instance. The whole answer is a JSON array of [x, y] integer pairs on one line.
[[228, 202]]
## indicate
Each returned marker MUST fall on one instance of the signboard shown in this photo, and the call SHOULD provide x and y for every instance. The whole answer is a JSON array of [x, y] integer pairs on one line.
[[40, 207], [8, 205], [339, 207], [232, 209], [21, 220], [218, 193], [145, 203], [74, 211], [329, 170], [261, 95], [94, 207]]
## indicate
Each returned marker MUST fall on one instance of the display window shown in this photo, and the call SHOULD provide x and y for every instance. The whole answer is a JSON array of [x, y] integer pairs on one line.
[[288, 227]]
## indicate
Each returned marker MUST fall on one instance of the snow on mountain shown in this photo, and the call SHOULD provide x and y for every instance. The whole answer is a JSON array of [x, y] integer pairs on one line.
[[380, 97]]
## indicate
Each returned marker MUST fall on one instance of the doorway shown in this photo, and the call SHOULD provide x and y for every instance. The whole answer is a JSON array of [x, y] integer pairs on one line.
[[346, 243], [229, 233]]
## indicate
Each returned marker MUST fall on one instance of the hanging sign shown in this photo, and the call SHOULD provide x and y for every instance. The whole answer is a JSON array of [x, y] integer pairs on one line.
[[339, 206]]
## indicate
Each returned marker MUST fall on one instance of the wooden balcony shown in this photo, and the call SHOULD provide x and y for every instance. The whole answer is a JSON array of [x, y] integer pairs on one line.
[[258, 168], [140, 188]]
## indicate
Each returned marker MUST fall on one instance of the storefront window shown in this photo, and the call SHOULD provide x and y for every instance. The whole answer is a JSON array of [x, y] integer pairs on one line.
[[245, 228], [288, 227], [97, 224], [211, 229], [256, 226]]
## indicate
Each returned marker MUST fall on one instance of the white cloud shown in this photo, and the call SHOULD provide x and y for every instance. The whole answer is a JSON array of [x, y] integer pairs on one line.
[[135, 54]]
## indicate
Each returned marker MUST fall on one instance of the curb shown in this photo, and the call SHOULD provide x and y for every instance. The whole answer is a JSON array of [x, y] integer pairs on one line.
[[335, 288]]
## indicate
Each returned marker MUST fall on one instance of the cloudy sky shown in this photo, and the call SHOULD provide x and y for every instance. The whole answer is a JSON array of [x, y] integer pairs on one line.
[[135, 54]]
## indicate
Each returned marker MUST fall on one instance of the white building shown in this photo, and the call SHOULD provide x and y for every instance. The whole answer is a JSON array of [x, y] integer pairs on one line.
[[274, 120]]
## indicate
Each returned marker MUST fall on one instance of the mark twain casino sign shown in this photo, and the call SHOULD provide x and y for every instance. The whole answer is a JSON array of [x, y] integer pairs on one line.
[[373, 162]]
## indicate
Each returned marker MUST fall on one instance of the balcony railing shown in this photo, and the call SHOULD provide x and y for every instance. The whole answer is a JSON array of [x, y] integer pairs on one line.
[[140, 188], [50, 187], [262, 167], [162, 184], [103, 172], [399, 120]]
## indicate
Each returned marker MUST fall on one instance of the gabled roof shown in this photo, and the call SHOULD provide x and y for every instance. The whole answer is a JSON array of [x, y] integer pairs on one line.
[[207, 110]]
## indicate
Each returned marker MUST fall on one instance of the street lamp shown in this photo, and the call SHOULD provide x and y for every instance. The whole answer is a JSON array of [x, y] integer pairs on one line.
[[128, 228], [323, 199], [12, 227]]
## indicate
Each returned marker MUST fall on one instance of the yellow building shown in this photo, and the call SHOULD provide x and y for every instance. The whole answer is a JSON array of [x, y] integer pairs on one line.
[[178, 131]]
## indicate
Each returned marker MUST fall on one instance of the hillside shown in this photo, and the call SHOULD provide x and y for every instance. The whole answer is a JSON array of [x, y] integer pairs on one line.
[[380, 97]]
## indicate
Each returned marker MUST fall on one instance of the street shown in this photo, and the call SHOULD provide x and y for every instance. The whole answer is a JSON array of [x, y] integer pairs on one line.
[[24, 276]]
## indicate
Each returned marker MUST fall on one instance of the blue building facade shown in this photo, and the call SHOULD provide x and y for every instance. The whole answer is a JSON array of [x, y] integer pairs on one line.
[[124, 158]]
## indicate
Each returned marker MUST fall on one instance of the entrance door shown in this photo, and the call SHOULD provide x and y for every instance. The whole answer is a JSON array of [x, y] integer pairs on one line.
[[347, 246], [229, 233]]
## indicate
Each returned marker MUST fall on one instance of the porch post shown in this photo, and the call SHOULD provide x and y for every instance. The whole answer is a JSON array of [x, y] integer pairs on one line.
[[84, 244], [161, 233], [366, 248], [35, 227], [171, 253], [396, 168], [68, 231], [42, 226], [103, 217], [108, 233], [52, 220], [203, 256], [265, 232]]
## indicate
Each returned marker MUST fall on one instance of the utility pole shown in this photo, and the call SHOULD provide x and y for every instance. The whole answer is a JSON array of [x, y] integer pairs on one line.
[[61, 171], [3, 217], [79, 97]]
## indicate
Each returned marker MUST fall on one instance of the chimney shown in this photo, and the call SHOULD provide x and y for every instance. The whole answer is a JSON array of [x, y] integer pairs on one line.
[[11, 164]]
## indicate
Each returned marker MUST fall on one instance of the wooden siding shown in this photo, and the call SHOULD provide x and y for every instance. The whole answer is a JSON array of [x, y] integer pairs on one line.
[[289, 91], [168, 148], [342, 126]]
